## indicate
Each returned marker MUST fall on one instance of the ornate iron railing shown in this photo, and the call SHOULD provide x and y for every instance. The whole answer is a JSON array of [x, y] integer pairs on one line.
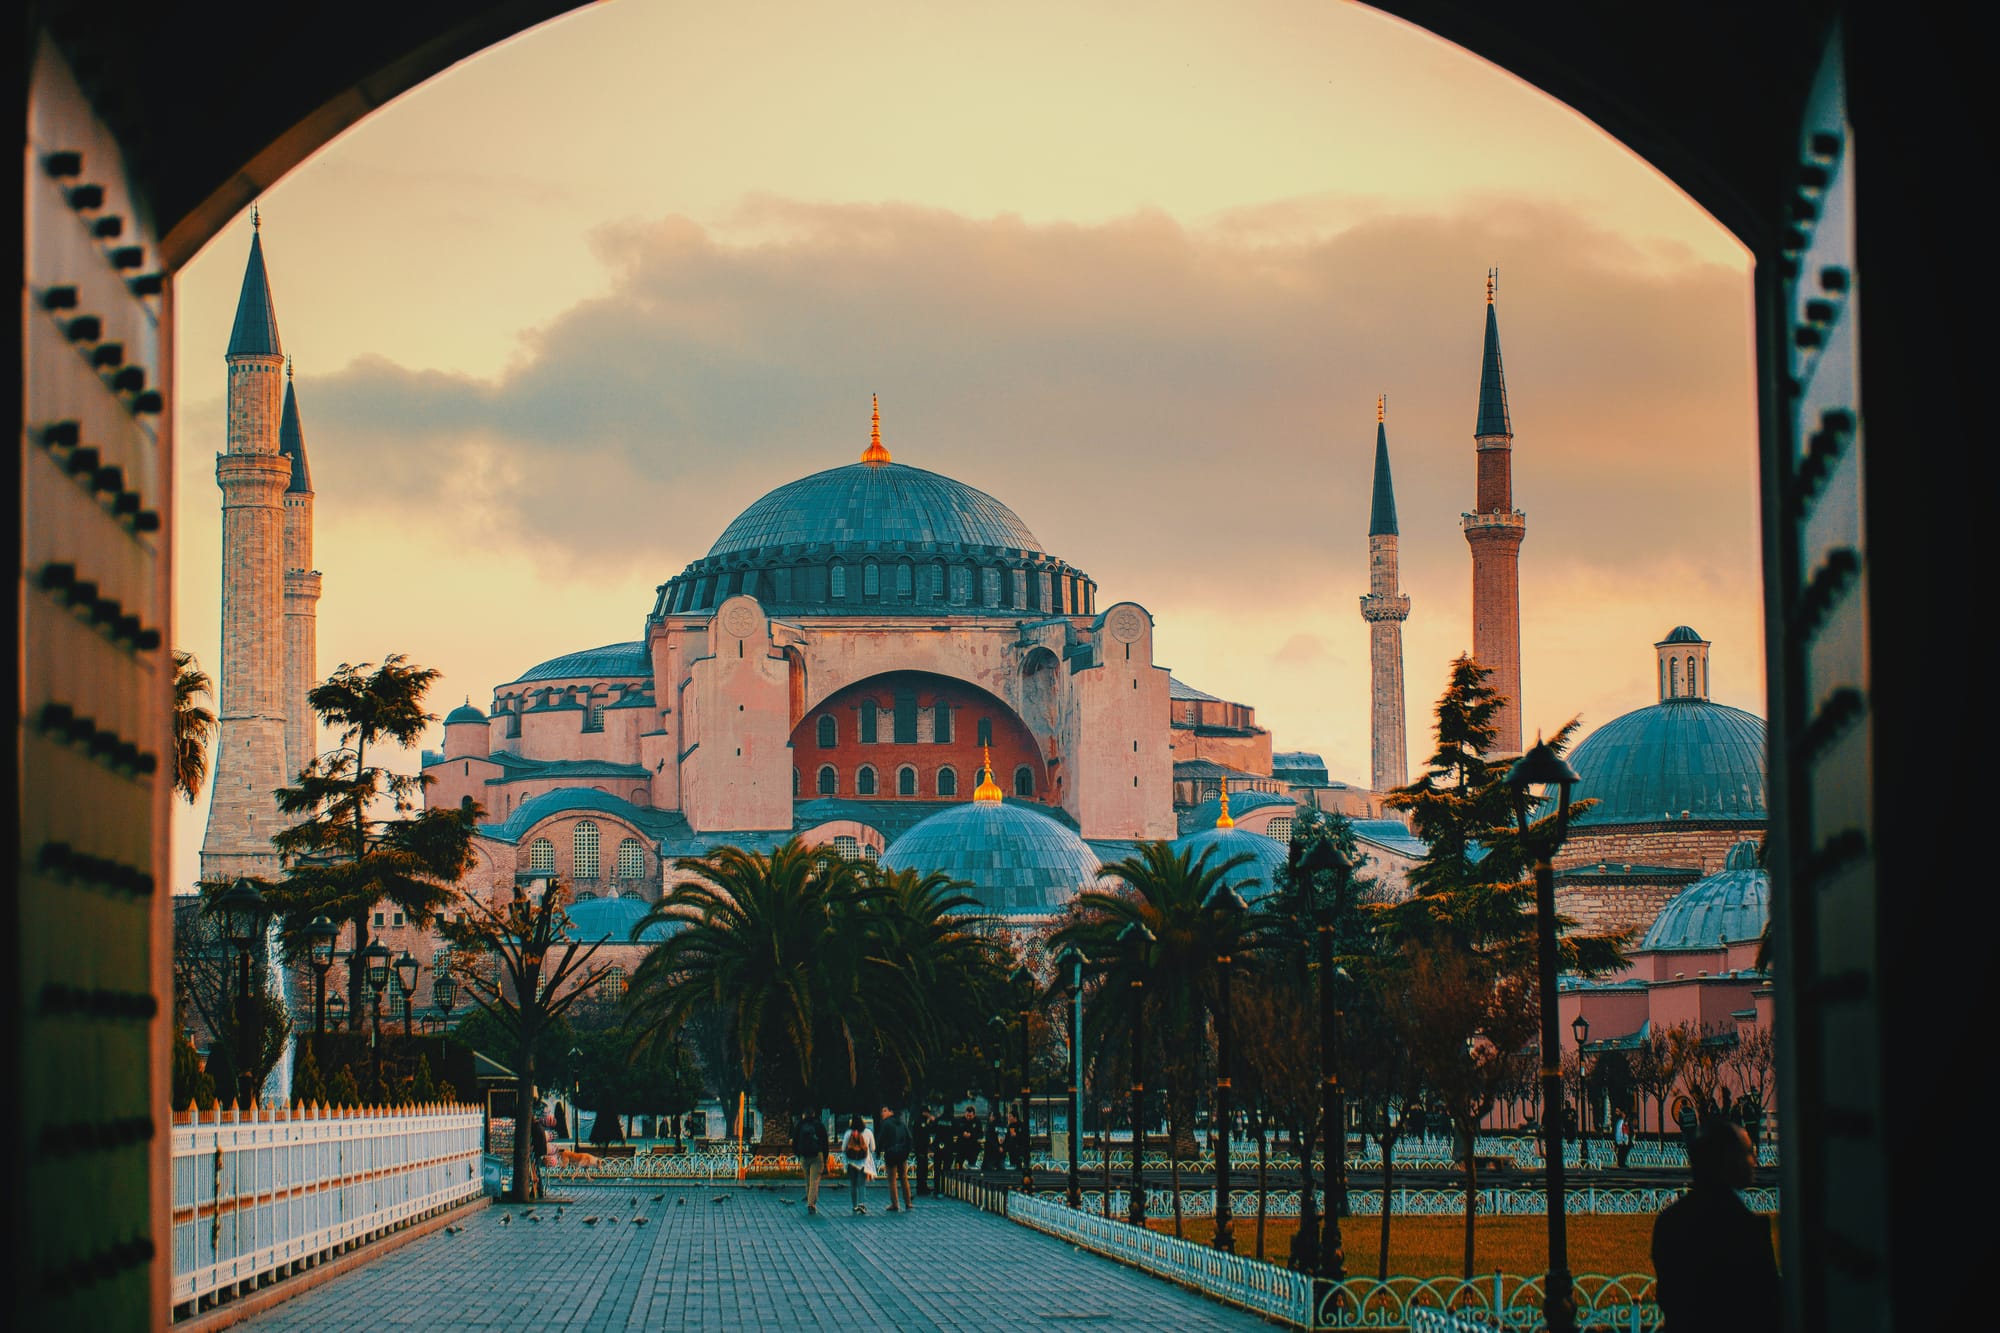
[[1578, 1201], [1524, 1151], [263, 1194]]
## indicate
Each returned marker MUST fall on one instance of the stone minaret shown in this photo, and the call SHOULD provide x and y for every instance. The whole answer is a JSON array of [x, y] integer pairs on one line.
[[250, 743], [301, 592], [1495, 533], [1385, 608]]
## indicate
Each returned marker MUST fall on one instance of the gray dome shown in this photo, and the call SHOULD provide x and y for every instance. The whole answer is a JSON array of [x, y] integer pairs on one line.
[[1681, 755], [465, 712], [882, 502], [611, 920], [1018, 860], [1731, 905], [1199, 817], [613, 659], [1252, 880], [1682, 634]]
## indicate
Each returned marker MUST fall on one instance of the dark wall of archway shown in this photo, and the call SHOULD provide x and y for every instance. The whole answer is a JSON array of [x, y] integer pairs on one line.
[[836, 734]]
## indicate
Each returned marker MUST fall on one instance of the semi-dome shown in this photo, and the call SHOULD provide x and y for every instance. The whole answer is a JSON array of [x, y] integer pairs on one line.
[[611, 920], [1019, 861], [1682, 756], [1253, 879], [1731, 905], [876, 502], [613, 659]]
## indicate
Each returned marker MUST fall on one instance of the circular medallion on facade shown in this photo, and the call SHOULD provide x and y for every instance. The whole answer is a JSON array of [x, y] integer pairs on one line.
[[1126, 624], [740, 620]]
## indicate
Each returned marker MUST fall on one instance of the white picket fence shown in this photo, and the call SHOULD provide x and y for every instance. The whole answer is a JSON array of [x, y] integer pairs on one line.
[[263, 1194]]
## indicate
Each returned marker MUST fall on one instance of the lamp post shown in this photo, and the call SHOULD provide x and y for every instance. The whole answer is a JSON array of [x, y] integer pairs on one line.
[[375, 970], [323, 935], [1580, 1028], [336, 1005], [1135, 938], [444, 992], [1544, 768], [1023, 982], [1228, 905], [243, 915], [1328, 1258], [1069, 972], [406, 986]]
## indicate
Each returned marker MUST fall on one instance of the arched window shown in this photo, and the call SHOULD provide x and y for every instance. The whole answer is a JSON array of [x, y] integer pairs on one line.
[[906, 781], [1024, 781], [871, 580], [941, 723], [871, 853], [1020, 589], [868, 722], [937, 582], [947, 781], [904, 581], [829, 732], [986, 731], [749, 588], [989, 586], [848, 846], [631, 859], [612, 984], [542, 857], [596, 718], [1673, 677], [864, 781], [829, 781], [1663, 678], [583, 850], [1280, 828], [781, 585], [961, 584], [837, 573]]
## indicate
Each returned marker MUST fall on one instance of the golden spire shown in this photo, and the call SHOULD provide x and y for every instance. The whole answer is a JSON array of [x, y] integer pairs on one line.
[[1492, 281], [986, 791], [1223, 820], [1381, 408], [875, 455]]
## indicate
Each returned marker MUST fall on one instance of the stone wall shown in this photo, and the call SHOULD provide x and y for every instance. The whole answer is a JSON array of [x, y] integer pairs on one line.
[[1701, 845]]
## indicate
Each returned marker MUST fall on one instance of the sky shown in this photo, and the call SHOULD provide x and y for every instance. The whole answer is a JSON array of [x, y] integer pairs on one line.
[[1137, 270]]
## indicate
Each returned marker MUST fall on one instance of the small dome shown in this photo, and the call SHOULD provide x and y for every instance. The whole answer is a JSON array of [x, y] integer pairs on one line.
[[1253, 879], [1241, 803], [613, 659], [1731, 905], [611, 921], [875, 502], [1018, 860], [465, 712], [1682, 634], [1653, 763]]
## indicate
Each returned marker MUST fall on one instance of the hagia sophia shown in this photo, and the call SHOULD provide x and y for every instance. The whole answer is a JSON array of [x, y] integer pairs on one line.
[[884, 659]]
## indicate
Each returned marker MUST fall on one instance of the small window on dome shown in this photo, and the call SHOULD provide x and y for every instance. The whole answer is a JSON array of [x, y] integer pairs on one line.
[[837, 576], [829, 781], [947, 782], [1020, 589], [871, 580], [989, 586], [904, 581], [961, 584], [781, 585], [937, 583], [749, 588]]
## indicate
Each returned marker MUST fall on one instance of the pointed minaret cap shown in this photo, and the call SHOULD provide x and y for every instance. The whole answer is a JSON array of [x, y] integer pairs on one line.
[[986, 790], [292, 439], [1223, 820], [1382, 511], [875, 455], [1493, 417], [256, 330]]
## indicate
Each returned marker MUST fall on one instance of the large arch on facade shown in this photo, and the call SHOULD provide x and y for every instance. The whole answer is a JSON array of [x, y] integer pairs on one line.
[[938, 726]]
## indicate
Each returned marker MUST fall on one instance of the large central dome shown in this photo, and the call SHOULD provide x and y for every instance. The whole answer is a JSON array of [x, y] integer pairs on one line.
[[876, 502]]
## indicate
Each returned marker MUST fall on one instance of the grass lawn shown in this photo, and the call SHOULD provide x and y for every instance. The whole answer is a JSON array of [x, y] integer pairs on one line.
[[1434, 1246]]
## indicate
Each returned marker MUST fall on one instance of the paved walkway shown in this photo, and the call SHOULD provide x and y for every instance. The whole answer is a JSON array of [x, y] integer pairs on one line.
[[752, 1262]]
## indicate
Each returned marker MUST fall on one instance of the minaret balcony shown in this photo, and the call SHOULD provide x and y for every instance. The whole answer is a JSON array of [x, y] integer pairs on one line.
[[1379, 606], [1504, 518]]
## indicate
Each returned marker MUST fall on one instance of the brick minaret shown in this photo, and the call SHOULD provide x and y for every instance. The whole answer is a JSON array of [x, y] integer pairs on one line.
[[301, 591], [1495, 533], [250, 743], [1385, 608]]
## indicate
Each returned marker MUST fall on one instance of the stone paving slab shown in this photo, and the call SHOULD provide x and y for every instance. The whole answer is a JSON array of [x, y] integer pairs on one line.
[[753, 1261]]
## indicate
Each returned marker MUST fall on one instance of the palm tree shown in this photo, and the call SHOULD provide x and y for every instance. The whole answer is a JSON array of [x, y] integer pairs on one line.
[[928, 979], [758, 946], [194, 725]]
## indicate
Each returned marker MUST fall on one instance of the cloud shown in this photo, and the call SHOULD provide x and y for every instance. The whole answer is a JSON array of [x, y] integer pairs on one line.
[[1301, 650]]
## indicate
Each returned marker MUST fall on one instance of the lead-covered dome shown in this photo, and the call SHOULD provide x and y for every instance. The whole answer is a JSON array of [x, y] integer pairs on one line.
[[1253, 879], [1019, 861], [1682, 756], [876, 502], [1727, 907]]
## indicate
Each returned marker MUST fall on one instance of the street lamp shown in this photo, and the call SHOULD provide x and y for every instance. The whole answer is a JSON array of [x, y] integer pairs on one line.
[[336, 1006], [406, 986], [1544, 768], [321, 935], [1023, 982], [444, 990], [375, 970], [1069, 974], [1229, 906], [1135, 938], [1580, 1029], [243, 915]]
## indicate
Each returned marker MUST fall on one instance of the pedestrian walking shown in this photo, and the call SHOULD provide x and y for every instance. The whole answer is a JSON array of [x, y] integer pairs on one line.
[[1714, 1270], [1621, 1138], [892, 1137], [809, 1142], [924, 1135], [857, 1153], [967, 1140], [990, 1158], [1015, 1144]]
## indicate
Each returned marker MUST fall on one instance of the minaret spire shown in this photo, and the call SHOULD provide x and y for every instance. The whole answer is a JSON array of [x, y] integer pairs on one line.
[[1495, 531], [874, 455], [1385, 607]]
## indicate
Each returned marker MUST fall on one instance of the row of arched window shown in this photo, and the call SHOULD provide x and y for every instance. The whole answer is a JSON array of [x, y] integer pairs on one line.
[[903, 723], [1674, 684], [867, 782], [583, 862], [1047, 589]]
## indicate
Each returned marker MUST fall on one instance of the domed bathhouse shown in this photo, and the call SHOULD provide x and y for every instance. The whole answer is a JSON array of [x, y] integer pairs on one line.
[[1676, 785]]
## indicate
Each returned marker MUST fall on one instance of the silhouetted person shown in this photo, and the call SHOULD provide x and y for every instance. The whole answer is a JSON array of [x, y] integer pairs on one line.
[[925, 1134], [967, 1141], [990, 1159], [1015, 1145], [1711, 1255]]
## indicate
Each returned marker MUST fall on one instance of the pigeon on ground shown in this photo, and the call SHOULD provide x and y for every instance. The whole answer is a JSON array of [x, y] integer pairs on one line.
[[640, 1221], [506, 1219], [680, 1203], [720, 1198], [590, 1221], [658, 1197]]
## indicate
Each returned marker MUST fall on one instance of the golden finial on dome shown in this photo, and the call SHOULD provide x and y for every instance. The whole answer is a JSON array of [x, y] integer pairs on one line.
[[987, 791], [1223, 820], [875, 455], [1381, 408], [1492, 281]]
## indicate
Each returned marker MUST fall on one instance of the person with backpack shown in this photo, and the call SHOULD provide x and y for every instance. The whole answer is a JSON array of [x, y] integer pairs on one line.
[[857, 1153], [809, 1142], [892, 1136]]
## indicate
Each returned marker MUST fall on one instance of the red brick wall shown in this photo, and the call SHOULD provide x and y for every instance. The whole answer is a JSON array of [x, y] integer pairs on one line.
[[1496, 480], [1013, 744], [1496, 622]]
